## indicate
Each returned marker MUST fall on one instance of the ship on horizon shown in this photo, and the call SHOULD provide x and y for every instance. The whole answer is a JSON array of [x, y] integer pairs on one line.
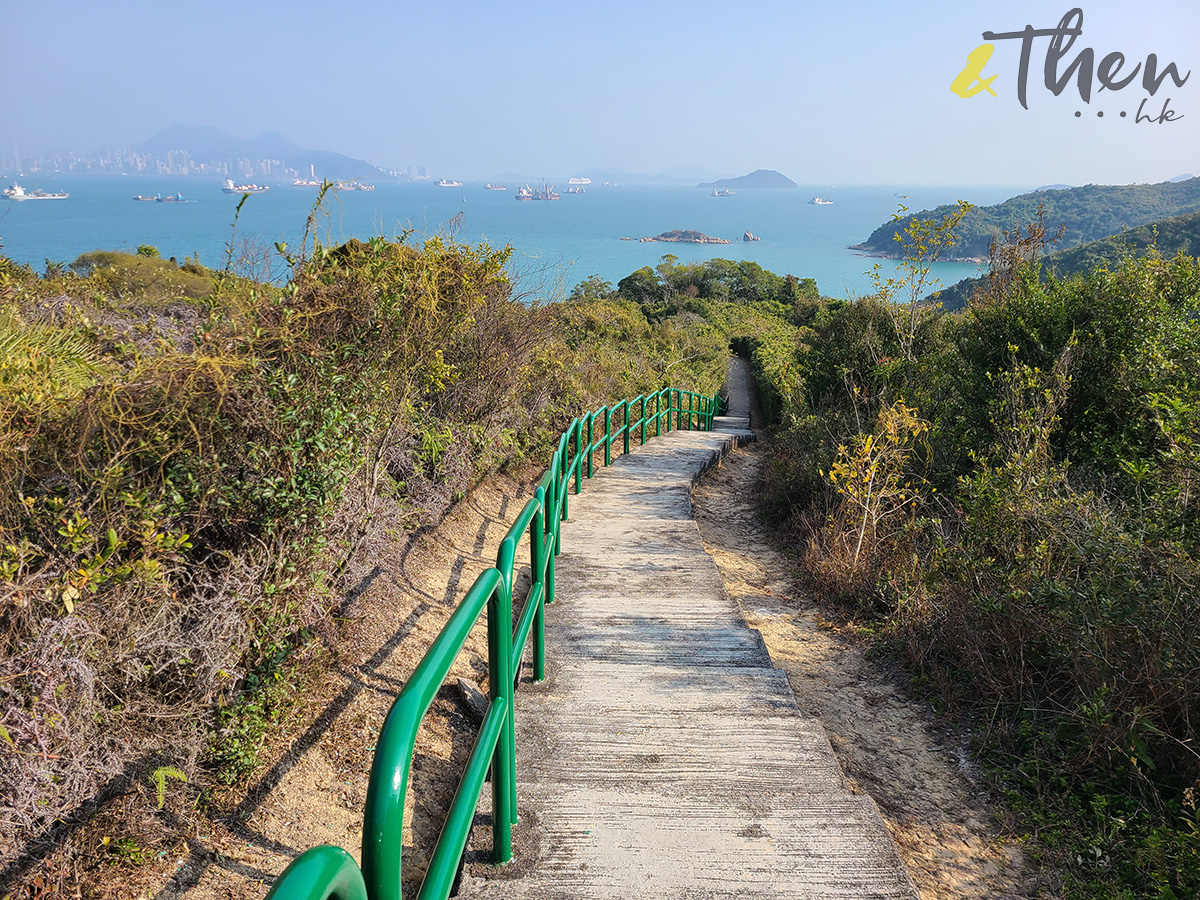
[[544, 192], [231, 188], [16, 192], [820, 201]]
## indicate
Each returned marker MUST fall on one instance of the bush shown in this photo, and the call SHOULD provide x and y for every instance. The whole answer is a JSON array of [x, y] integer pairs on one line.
[[1036, 559]]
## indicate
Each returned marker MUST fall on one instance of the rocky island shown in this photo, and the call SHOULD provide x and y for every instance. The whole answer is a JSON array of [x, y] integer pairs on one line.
[[679, 236]]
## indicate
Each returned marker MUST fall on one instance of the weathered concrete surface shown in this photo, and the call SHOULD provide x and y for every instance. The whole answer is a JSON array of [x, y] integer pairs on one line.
[[664, 756]]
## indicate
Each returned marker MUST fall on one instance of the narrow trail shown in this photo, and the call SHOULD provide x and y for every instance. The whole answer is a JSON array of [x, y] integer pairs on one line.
[[665, 755], [311, 790]]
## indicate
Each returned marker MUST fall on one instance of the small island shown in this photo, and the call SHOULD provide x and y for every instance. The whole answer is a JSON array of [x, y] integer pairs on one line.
[[679, 236], [759, 179]]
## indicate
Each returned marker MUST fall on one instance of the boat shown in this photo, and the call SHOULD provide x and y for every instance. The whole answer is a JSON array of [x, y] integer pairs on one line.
[[820, 201], [577, 190], [495, 187], [144, 199], [579, 181], [545, 192], [231, 188], [523, 193], [353, 186], [445, 183], [306, 182], [16, 192], [178, 198], [723, 192]]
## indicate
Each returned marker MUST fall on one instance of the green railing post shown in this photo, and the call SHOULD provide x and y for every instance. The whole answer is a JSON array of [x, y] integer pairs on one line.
[[658, 413], [678, 408], [562, 495], [625, 434], [577, 464], [607, 436], [642, 422], [591, 419], [537, 575], [500, 688], [548, 547]]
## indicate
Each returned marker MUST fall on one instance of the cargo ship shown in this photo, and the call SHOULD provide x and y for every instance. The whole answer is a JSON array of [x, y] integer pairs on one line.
[[231, 188], [16, 192]]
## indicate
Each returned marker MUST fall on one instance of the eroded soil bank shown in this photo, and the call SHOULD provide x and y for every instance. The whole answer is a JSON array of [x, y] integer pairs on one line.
[[884, 739]]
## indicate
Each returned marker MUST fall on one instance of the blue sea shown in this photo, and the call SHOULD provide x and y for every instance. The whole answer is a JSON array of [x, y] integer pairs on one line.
[[556, 244]]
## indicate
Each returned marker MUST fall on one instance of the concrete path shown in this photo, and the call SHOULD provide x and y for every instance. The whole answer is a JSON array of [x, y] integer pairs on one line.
[[665, 756]]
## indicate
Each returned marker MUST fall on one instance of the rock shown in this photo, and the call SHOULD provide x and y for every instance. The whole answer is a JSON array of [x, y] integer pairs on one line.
[[473, 699], [749, 237]]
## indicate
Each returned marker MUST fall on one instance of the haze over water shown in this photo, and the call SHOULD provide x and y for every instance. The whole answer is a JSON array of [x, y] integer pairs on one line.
[[556, 244]]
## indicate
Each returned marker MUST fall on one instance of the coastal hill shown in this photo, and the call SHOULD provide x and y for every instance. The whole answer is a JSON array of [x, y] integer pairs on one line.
[[1084, 214], [1180, 234], [759, 179], [208, 145]]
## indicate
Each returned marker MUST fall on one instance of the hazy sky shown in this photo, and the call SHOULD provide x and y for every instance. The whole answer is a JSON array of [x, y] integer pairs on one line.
[[830, 92]]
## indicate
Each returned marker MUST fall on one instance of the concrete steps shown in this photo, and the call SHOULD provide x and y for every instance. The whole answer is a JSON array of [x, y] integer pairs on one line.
[[664, 756]]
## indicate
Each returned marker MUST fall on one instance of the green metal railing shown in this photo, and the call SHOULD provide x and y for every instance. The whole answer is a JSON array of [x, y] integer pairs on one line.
[[330, 873]]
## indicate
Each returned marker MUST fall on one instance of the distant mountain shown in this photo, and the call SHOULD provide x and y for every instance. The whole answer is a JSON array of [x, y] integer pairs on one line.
[[1083, 214], [208, 145], [1052, 187], [759, 179], [1187, 176], [1179, 234]]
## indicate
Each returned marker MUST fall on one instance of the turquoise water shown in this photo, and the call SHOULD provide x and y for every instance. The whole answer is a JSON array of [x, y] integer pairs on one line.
[[556, 244]]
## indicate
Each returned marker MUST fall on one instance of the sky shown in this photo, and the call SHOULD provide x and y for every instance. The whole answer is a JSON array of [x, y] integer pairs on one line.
[[830, 92]]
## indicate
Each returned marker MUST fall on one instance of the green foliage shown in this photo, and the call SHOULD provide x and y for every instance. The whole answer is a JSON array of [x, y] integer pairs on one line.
[[159, 778], [188, 458], [180, 453], [1171, 237], [1039, 556], [122, 277]]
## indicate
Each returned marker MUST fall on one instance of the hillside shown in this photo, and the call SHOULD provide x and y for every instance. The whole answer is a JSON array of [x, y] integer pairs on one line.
[[1084, 214], [759, 179], [207, 145], [1179, 234]]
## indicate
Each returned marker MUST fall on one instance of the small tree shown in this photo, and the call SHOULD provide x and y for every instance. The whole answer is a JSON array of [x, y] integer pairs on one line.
[[923, 242]]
